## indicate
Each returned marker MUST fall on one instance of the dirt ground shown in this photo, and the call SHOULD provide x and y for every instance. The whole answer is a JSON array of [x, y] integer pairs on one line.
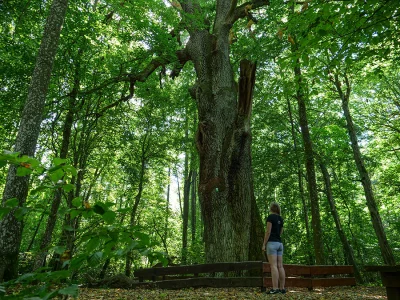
[[348, 293]]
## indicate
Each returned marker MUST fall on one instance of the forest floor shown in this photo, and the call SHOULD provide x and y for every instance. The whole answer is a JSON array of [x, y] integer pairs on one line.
[[348, 293]]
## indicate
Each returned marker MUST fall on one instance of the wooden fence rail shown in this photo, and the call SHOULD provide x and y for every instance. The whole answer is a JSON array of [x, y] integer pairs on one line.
[[237, 275]]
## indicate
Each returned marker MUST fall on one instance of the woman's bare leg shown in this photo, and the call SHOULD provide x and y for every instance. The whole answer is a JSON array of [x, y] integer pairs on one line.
[[281, 272], [272, 259]]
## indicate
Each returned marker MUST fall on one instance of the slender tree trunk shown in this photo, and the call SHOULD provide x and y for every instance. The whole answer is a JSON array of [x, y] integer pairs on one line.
[[310, 165], [185, 224], [186, 195], [104, 268], [35, 233], [193, 194], [81, 153], [193, 206], [17, 187], [51, 221], [179, 192], [300, 183], [138, 198], [167, 205], [384, 246], [342, 235]]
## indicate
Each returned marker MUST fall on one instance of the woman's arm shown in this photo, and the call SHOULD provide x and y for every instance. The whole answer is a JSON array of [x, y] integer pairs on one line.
[[267, 234]]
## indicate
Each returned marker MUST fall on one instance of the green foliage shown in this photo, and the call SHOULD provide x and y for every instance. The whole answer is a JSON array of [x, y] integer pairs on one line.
[[97, 245], [119, 146]]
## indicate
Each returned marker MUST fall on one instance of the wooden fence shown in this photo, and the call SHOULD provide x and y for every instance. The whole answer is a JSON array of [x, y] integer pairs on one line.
[[237, 275]]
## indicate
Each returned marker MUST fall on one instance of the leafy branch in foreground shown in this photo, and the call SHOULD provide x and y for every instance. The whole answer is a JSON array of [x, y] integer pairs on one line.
[[95, 246]]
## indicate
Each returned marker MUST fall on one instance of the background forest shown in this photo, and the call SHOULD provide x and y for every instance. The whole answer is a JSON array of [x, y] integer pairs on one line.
[[115, 177]]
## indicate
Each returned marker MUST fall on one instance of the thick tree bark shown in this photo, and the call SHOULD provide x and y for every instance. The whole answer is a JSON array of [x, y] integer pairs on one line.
[[384, 246], [223, 135], [223, 141], [216, 99], [310, 166], [348, 250], [257, 230], [17, 187]]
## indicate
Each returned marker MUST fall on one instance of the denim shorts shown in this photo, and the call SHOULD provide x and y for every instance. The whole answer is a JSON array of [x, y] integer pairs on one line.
[[275, 248]]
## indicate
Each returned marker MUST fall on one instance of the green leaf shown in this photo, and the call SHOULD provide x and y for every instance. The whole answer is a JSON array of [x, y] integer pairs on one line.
[[2, 164], [77, 202], [58, 249], [25, 277], [50, 295], [71, 291], [68, 228], [77, 261], [70, 170], [94, 259], [4, 211], [53, 169], [56, 175], [58, 161], [33, 162], [305, 58], [40, 170], [21, 212], [39, 189], [109, 216], [12, 202], [92, 244], [312, 63], [23, 158], [74, 213], [144, 238], [22, 171], [68, 187], [87, 214], [99, 209]]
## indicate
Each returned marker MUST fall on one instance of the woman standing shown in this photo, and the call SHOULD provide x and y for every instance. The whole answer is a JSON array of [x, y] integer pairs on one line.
[[273, 245]]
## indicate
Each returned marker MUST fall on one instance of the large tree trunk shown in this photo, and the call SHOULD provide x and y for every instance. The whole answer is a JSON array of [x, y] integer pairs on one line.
[[348, 250], [384, 246], [257, 231], [310, 166], [17, 187], [223, 135], [224, 199]]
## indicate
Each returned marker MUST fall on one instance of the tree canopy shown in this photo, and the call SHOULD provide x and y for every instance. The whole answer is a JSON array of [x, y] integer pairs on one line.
[[153, 148]]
